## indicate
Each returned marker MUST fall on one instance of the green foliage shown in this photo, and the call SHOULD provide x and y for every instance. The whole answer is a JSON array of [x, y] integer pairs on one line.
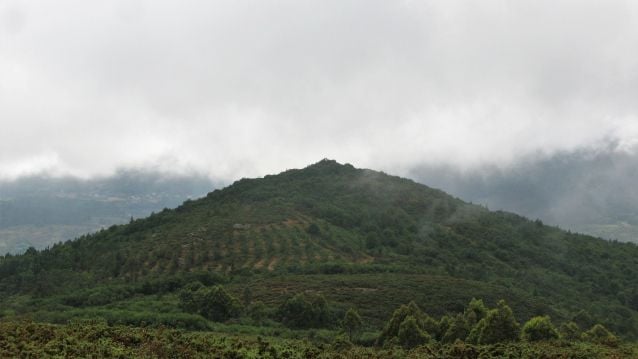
[[475, 311], [410, 333], [258, 312], [313, 229], [91, 339], [305, 311], [583, 319], [352, 323], [539, 328], [499, 325], [600, 335], [423, 323], [247, 296], [570, 331], [213, 303], [458, 329], [381, 239]]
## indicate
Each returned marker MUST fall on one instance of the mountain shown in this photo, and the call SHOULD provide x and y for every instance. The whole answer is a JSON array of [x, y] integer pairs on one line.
[[38, 211], [361, 238], [588, 191]]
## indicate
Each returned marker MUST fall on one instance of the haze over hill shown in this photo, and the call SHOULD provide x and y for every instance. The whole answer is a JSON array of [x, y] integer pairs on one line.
[[589, 191], [41, 210]]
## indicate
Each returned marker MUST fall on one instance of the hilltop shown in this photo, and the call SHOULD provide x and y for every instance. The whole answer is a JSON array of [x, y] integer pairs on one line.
[[360, 237]]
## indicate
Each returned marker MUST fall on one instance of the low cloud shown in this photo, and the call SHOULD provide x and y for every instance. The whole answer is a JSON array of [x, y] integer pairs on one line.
[[245, 88]]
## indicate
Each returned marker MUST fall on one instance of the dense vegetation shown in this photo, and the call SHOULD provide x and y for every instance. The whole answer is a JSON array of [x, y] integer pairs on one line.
[[289, 255], [82, 340], [409, 333]]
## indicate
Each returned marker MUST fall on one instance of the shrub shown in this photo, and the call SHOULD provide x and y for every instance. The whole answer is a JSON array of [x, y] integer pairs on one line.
[[570, 331], [303, 311], [600, 335], [257, 312], [457, 330], [410, 334], [475, 311], [423, 321], [213, 303], [499, 325], [539, 328]]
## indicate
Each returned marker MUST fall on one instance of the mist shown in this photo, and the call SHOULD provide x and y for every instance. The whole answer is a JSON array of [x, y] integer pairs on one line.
[[246, 88], [588, 191]]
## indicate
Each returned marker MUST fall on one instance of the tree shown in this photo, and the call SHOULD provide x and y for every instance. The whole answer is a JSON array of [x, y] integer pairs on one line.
[[499, 325], [539, 328], [188, 297], [475, 311], [218, 305], [213, 303], [302, 311], [583, 319], [458, 329], [352, 323], [570, 331], [410, 334], [423, 321], [313, 229], [601, 335], [257, 311]]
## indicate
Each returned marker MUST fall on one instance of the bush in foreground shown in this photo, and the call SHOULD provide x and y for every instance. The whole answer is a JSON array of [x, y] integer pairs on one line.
[[539, 328]]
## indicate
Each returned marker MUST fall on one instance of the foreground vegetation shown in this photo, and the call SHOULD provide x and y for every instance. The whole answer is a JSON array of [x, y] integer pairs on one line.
[[477, 332], [98, 340]]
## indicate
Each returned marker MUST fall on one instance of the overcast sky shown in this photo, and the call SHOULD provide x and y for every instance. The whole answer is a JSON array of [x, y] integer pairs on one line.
[[245, 88]]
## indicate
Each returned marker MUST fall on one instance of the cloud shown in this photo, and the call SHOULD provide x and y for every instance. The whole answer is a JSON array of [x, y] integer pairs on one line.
[[244, 88]]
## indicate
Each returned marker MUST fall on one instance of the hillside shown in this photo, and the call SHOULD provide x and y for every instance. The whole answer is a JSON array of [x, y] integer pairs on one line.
[[38, 211], [359, 237]]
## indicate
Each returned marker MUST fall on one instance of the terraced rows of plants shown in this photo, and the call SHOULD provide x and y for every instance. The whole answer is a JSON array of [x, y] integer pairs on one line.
[[261, 248]]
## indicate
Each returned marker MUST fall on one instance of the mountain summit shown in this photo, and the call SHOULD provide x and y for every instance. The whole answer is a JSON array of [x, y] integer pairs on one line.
[[357, 236]]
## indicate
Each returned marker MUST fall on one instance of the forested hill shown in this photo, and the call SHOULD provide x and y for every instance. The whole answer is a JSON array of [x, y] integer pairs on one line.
[[358, 236]]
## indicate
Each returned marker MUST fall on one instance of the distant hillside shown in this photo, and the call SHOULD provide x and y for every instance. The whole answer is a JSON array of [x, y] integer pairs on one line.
[[588, 191], [39, 211], [360, 237]]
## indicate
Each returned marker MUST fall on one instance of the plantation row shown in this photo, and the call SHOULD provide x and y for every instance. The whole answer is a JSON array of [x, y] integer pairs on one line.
[[291, 243]]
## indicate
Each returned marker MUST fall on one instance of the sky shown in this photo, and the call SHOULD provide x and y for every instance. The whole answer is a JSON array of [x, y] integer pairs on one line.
[[245, 88]]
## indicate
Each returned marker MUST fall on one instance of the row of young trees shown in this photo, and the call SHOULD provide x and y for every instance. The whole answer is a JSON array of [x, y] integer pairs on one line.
[[409, 326], [478, 324]]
